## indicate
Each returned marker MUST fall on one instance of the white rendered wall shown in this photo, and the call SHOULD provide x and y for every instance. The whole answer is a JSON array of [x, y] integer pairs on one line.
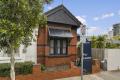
[[113, 59], [30, 55]]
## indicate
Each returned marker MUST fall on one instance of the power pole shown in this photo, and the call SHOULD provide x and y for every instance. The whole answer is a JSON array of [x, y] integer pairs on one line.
[[83, 40], [82, 61]]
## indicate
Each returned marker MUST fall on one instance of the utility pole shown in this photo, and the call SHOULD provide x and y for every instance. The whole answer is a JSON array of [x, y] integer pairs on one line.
[[82, 61], [83, 40]]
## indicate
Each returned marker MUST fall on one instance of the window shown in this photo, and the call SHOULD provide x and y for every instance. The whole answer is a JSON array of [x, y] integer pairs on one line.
[[51, 46], [58, 46], [24, 49], [64, 47]]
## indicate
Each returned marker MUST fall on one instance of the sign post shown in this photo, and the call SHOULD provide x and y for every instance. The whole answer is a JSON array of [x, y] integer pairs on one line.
[[83, 40]]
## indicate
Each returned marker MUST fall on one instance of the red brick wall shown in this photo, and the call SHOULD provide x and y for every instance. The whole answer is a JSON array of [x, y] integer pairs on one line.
[[43, 47], [73, 45], [52, 61], [42, 44]]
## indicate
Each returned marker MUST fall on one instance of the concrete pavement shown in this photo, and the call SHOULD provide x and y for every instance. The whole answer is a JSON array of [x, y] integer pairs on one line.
[[109, 75], [86, 77], [99, 76]]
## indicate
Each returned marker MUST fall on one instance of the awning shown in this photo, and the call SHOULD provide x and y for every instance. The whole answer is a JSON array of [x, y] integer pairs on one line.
[[60, 33]]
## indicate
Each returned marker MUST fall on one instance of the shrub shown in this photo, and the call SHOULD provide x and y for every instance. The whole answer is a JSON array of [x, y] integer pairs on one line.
[[20, 68], [42, 67], [4, 69]]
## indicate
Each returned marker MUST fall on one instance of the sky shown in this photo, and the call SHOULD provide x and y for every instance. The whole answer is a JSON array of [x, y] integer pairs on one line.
[[97, 15]]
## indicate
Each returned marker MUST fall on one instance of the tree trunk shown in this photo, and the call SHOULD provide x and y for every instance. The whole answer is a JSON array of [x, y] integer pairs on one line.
[[12, 62]]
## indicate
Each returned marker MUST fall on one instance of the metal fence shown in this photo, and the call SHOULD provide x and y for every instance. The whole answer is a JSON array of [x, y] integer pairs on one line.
[[98, 53]]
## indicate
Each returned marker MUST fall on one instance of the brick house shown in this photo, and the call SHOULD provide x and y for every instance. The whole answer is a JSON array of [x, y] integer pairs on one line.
[[57, 41]]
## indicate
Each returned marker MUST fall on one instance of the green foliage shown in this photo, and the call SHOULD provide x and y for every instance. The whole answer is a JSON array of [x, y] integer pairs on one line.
[[4, 69], [43, 67], [18, 19], [116, 38], [24, 68], [111, 45], [98, 42], [93, 41], [101, 42], [20, 68]]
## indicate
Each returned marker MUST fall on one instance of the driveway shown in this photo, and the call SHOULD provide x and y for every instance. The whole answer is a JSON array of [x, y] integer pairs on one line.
[[99, 76]]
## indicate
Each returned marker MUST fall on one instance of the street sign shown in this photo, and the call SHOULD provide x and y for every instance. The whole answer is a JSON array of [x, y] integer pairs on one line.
[[83, 29]]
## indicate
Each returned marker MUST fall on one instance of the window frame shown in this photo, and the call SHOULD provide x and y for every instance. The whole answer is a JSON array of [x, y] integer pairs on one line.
[[55, 50]]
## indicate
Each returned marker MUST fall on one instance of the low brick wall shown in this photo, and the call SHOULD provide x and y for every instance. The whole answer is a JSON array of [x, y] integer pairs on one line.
[[38, 75]]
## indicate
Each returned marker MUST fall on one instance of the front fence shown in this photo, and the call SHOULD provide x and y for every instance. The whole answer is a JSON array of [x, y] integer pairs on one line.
[[98, 53]]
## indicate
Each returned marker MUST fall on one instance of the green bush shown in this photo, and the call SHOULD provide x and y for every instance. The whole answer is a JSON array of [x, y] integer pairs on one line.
[[4, 69], [42, 67], [20, 68]]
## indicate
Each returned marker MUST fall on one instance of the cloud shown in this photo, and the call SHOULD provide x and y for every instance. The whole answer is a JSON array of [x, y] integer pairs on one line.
[[81, 19], [104, 16], [107, 15], [92, 29], [96, 31], [84, 16]]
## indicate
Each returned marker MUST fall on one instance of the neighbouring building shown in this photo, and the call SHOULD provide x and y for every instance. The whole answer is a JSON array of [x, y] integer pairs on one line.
[[116, 29], [23, 54], [110, 34], [56, 43]]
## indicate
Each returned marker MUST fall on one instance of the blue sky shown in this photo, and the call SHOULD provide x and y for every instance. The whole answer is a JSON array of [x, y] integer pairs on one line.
[[98, 15]]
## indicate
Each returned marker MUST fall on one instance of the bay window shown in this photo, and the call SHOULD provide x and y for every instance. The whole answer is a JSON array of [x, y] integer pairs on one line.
[[58, 46]]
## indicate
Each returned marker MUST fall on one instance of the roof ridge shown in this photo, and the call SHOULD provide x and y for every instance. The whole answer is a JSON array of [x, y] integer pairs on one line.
[[54, 8], [67, 12]]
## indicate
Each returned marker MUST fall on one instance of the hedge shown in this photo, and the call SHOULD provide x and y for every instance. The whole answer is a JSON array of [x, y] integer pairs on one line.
[[20, 68]]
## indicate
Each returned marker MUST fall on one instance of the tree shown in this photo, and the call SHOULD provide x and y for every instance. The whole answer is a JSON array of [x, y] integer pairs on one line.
[[100, 42], [93, 41], [18, 19], [116, 38]]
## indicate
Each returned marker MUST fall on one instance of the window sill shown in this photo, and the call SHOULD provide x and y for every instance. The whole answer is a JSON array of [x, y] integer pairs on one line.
[[57, 56]]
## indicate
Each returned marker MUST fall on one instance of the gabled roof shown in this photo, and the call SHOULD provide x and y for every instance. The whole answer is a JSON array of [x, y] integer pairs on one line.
[[62, 15]]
